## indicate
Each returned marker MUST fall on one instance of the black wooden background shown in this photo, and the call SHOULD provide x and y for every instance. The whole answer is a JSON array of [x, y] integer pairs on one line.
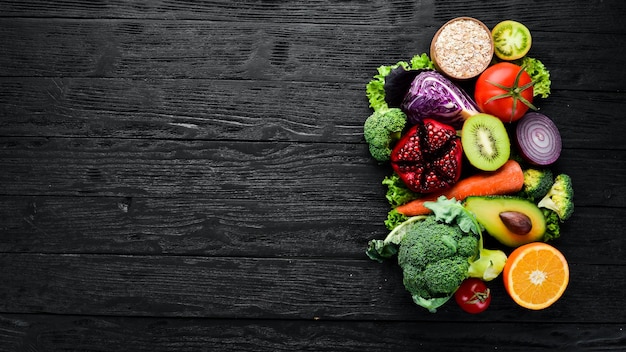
[[192, 176]]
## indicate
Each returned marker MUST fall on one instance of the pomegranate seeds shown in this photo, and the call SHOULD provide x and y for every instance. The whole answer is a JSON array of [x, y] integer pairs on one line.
[[428, 157]]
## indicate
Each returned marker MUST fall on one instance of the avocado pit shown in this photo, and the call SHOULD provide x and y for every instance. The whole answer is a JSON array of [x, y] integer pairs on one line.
[[513, 221], [518, 223]]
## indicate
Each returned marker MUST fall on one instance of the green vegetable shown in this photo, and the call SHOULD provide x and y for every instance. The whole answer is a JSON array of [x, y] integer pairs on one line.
[[432, 262], [553, 226], [560, 197], [381, 130], [538, 73], [375, 89], [512, 40], [394, 219], [397, 191], [380, 250], [421, 61], [437, 252], [537, 183]]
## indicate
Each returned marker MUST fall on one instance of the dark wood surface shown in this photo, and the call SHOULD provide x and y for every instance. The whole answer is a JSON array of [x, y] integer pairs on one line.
[[192, 176]]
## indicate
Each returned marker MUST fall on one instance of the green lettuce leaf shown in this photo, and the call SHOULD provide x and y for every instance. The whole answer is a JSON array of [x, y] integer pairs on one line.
[[375, 89], [538, 73], [397, 191], [453, 212]]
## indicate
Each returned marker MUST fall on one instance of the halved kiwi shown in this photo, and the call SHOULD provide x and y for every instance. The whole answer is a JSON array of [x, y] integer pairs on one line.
[[485, 142], [511, 40]]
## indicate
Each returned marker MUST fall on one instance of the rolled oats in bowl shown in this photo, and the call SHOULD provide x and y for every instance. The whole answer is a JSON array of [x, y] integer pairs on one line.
[[462, 48]]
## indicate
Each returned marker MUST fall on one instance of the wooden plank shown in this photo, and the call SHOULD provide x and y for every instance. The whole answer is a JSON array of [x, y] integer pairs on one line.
[[290, 288], [303, 52], [194, 225], [220, 170], [183, 108], [172, 175], [207, 227], [243, 170], [586, 14], [246, 110], [192, 49], [203, 226], [80, 333]]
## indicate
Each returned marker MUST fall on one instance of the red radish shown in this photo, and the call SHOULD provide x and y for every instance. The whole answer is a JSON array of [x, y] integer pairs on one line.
[[538, 139]]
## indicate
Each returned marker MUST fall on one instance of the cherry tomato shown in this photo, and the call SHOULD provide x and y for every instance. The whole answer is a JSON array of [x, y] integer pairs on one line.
[[504, 90], [473, 296]]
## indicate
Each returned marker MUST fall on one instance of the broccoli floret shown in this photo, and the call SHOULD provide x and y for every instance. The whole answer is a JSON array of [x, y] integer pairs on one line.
[[428, 242], [380, 250], [435, 259], [560, 197], [468, 246], [437, 252], [553, 226], [537, 183], [446, 275], [381, 130], [414, 282]]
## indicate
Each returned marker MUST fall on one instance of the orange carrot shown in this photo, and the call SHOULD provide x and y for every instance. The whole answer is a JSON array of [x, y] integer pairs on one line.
[[509, 178]]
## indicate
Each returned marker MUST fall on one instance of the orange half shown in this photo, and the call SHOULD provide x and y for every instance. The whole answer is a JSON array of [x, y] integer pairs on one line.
[[536, 275]]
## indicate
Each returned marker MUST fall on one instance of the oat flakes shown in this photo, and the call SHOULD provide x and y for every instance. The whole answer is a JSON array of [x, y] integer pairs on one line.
[[463, 48]]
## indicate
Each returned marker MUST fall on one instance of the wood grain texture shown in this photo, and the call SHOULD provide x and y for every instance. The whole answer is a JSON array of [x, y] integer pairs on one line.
[[190, 225], [81, 333], [221, 170], [326, 172], [192, 176], [200, 109], [204, 226], [184, 109], [585, 14], [278, 288], [303, 52]]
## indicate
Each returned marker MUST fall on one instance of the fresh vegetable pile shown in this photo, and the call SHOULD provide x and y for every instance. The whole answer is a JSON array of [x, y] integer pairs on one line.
[[466, 162]]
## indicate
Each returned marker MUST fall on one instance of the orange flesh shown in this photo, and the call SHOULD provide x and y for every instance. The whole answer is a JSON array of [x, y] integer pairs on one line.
[[536, 275]]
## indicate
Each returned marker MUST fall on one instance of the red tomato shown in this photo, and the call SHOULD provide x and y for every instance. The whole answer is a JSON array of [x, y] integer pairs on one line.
[[504, 90], [473, 296]]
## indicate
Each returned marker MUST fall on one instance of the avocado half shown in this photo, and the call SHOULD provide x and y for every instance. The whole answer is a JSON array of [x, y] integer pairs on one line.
[[513, 221]]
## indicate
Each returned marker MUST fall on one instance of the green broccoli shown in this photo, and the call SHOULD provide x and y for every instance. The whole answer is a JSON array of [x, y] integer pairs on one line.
[[437, 252], [429, 255], [553, 226], [446, 275], [560, 197], [382, 129], [537, 183], [429, 241], [467, 246]]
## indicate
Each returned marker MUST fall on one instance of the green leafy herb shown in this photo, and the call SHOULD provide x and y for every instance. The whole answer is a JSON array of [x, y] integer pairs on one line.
[[375, 89], [538, 73]]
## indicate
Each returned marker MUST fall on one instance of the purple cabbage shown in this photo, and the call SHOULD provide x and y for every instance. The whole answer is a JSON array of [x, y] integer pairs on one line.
[[431, 95]]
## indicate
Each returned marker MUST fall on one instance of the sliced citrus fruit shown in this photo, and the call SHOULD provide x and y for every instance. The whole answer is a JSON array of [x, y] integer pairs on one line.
[[536, 275]]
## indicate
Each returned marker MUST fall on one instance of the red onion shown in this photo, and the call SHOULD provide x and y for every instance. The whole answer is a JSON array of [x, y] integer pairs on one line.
[[538, 139]]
